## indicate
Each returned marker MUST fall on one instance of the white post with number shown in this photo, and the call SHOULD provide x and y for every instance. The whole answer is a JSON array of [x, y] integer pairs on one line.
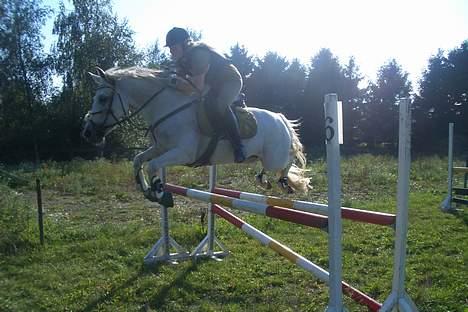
[[333, 138]]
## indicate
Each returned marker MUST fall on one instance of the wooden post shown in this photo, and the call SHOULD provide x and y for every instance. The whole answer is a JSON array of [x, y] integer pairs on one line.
[[39, 211]]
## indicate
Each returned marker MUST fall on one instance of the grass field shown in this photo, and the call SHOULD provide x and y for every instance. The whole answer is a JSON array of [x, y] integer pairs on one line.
[[98, 228]]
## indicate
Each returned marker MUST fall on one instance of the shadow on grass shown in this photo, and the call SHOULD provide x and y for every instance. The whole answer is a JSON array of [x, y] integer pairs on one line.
[[92, 306], [158, 300], [461, 212]]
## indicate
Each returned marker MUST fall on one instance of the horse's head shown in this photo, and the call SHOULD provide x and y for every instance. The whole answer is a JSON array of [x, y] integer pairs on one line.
[[107, 110]]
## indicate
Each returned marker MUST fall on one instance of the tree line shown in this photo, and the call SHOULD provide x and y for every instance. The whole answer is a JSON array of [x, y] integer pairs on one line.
[[45, 94]]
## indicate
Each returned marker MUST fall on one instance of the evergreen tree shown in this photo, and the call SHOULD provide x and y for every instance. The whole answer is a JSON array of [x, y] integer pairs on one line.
[[352, 97], [325, 76], [293, 81], [443, 98], [264, 88], [381, 110], [240, 57]]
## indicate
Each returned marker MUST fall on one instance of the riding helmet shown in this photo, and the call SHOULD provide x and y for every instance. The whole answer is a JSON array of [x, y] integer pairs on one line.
[[176, 35]]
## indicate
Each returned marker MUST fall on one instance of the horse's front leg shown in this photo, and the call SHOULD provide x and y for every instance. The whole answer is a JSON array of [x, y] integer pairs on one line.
[[138, 162], [175, 156]]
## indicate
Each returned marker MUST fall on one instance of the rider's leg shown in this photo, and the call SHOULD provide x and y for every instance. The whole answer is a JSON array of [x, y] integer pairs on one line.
[[226, 96], [233, 135]]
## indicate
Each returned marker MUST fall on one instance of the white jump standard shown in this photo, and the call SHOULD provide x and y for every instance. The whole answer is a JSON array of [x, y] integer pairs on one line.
[[333, 139], [161, 250], [446, 205], [398, 298]]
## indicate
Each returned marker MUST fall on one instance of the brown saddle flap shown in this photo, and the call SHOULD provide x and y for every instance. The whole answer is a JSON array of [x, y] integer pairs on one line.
[[246, 119]]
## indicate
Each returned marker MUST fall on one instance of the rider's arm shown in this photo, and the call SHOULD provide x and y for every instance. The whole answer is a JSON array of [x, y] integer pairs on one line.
[[199, 68]]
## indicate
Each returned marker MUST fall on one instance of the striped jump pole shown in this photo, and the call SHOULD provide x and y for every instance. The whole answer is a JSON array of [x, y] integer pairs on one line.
[[373, 217], [298, 217], [294, 257]]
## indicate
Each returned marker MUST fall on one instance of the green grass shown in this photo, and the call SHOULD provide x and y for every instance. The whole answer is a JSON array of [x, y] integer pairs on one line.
[[98, 228]]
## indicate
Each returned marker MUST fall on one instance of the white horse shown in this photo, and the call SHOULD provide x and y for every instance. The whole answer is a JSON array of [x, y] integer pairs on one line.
[[172, 119]]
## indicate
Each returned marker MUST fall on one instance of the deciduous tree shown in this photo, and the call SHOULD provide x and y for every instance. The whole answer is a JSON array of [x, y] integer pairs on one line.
[[89, 35], [24, 76]]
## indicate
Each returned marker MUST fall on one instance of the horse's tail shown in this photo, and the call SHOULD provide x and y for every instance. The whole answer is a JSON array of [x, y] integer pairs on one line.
[[296, 174]]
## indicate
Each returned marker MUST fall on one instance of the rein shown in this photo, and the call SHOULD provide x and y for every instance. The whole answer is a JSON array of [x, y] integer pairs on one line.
[[128, 116], [167, 116]]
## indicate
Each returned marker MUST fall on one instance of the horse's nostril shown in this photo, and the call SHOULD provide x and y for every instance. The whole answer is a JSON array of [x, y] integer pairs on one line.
[[86, 133]]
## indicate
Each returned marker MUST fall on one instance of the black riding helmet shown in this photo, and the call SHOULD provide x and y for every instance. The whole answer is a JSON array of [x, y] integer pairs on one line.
[[175, 36]]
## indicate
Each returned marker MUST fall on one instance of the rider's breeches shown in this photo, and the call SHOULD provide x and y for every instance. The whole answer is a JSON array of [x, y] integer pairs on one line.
[[226, 95]]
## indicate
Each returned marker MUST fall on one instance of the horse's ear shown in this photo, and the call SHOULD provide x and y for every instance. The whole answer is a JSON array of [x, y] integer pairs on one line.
[[105, 78], [101, 72], [97, 79]]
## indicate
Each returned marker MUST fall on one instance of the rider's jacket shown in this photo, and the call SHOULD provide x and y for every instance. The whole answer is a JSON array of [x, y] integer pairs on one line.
[[198, 56]]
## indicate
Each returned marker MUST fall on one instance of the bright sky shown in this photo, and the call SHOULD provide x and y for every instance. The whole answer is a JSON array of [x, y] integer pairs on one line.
[[372, 31]]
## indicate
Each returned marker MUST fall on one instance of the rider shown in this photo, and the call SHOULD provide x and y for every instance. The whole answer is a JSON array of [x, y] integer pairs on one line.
[[201, 64]]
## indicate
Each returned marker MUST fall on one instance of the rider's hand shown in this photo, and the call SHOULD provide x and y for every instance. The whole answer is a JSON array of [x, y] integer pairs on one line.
[[181, 85]]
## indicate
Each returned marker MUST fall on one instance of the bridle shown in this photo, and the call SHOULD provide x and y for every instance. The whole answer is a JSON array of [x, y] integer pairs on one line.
[[109, 112]]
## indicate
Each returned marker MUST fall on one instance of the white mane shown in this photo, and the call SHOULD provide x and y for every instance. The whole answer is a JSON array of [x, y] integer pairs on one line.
[[117, 73]]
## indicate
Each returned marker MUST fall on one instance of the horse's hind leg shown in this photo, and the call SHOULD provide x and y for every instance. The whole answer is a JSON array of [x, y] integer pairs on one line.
[[263, 182], [283, 180]]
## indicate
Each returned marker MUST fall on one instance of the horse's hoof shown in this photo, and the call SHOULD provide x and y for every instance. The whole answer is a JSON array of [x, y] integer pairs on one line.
[[258, 179], [151, 196], [165, 199]]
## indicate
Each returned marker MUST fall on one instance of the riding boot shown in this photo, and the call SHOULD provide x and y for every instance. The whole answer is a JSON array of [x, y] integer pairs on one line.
[[233, 135]]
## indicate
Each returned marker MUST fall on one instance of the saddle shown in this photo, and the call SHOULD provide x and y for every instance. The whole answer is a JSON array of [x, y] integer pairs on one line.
[[246, 120]]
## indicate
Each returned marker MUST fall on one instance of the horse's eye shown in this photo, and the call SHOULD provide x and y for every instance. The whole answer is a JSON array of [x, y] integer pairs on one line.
[[102, 98]]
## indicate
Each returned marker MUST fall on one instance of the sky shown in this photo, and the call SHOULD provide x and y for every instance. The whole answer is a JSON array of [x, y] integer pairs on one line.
[[373, 32]]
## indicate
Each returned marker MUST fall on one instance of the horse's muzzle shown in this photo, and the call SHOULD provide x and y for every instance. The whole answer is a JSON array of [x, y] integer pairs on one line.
[[92, 135]]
